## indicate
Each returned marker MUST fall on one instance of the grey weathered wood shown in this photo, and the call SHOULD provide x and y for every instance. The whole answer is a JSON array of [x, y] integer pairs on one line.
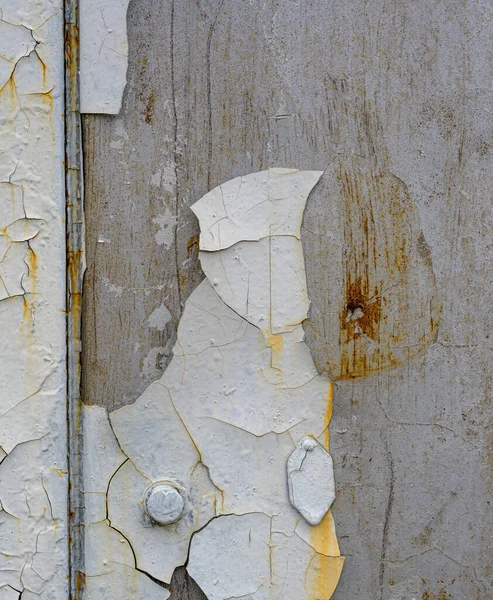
[[222, 88]]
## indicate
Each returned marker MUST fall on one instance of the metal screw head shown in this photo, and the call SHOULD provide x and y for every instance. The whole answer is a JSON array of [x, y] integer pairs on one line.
[[163, 503], [308, 444]]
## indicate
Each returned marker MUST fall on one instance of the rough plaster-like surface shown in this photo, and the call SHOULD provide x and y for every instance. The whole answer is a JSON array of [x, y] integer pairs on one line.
[[103, 55], [33, 469], [220, 89]]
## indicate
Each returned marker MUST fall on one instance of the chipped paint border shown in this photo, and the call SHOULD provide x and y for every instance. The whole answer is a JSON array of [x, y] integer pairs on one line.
[[103, 55]]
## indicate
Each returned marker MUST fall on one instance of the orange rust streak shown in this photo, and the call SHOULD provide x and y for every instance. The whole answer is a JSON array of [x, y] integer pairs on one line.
[[324, 576], [32, 265], [80, 584], [328, 415], [326, 567]]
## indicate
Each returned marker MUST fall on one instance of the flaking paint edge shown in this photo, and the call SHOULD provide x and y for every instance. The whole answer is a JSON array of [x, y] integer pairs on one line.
[[173, 431], [103, 55]]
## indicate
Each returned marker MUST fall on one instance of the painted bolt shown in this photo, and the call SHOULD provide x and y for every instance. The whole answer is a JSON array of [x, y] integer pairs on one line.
[[308, 444], [163, 503]]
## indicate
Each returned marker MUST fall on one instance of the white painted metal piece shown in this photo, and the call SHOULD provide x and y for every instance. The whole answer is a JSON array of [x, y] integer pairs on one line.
[[103, 55], [33, 435], [311, 480]]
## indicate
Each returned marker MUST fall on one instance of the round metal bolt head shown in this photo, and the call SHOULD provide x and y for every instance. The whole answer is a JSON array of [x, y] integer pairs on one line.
[[163, 503], [308, 444]]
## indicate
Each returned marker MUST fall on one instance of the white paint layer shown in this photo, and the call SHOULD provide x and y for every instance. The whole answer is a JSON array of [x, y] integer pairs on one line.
[[308, 465], [103, 55], [253, 207], [223, 424], [33, 470], [160, 318], [109, 560]]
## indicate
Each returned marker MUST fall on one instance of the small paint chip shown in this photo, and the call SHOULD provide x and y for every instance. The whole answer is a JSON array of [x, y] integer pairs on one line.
[[159, 318]]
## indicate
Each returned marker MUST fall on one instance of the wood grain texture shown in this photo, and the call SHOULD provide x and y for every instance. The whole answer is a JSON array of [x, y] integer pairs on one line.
[[222, 88]]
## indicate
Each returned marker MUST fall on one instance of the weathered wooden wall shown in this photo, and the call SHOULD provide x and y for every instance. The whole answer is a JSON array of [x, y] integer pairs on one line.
[[395, 99]]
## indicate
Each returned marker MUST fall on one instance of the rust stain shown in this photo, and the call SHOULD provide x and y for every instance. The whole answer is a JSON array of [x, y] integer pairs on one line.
[[149, 109], [71, 51], [363, 311], [80, 583], [75, 266], [31, 261], [44, 69], [440, 595], [193, 245], [75, 273], [323, 536], [364, 226]]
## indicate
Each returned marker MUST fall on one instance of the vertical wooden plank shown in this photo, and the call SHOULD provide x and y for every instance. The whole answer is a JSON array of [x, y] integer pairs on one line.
[[222, 88]]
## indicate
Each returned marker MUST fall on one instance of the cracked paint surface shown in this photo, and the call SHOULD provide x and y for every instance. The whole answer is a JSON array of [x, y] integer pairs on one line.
[[240, 394], [109, 559], [33, 469], [103, 55]]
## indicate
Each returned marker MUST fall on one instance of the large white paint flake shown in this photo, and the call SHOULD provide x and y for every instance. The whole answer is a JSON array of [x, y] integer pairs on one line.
[[239, 396], [109, 560], [33, 469], [103, 55]]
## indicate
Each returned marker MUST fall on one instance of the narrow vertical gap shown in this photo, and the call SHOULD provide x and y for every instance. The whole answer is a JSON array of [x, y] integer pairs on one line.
[[175, 153], [75, 276]]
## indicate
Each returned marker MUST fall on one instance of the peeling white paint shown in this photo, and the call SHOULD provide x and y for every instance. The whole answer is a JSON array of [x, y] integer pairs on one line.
[[117, 290], [156, 358], [247, 557], [159, 318], [9, 593], [33, 469], [103, 55], [15, 42], [165, 178], [253, 207], [239, 396], [166, 223], [109, 560]]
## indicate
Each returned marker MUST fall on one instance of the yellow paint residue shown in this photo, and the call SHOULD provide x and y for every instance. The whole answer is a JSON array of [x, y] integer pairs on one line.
[[323, 537], [27, 314], [323, 576], [276, 345], [59, 472], [325, 569], [328, 415]]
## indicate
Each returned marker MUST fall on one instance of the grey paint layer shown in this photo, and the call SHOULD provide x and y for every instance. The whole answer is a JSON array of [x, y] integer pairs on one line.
[[220, 89]]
